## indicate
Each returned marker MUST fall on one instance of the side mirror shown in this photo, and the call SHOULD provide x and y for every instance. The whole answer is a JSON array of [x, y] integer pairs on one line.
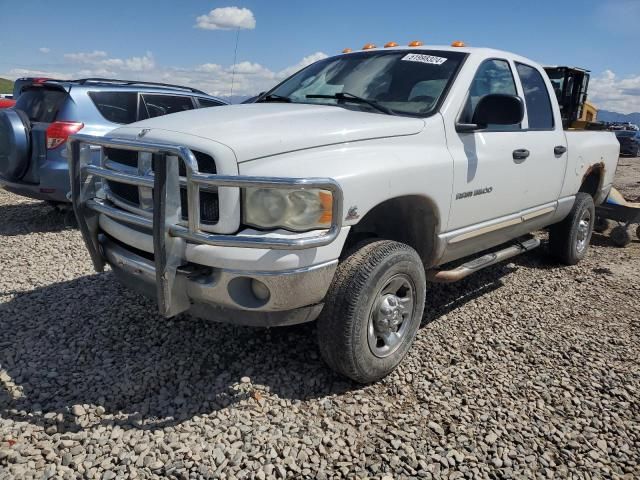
[[495, 109]]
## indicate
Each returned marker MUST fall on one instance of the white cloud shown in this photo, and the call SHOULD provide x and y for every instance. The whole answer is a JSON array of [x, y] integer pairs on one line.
[[99, 59], [227, 18], [308, 60], [86, 57], [248, 68], [139, 64], [250, 77], [44, 50], [608, 92]]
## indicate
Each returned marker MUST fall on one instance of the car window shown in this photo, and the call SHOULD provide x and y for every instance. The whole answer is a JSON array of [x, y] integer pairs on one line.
[[117, 107], [41, 104], [536, 97], [206, 103], [493, 76], [158, 105]]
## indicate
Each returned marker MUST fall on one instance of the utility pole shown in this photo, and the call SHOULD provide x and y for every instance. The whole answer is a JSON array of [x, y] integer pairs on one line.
[[235, 58]]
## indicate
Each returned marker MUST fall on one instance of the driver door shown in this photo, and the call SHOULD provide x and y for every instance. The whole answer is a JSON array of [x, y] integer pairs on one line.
[[485, 186]]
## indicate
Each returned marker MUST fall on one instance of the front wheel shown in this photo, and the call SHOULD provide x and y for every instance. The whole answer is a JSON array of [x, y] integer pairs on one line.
[[569, 240], [373, 310]]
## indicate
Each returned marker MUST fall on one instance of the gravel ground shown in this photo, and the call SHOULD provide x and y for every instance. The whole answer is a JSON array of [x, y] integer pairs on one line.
[[523, 370]]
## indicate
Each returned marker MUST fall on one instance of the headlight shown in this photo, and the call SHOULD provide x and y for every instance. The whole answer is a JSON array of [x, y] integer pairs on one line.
[[285, 208]]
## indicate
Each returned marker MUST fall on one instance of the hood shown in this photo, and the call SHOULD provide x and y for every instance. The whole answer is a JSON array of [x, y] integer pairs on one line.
[[264, 129]]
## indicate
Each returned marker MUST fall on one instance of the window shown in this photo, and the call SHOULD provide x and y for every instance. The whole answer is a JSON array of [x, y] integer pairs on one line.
[[493, 76], [206, 103], [536, 97], [41, 104], [158, 105], [407, 83], [117, 107]]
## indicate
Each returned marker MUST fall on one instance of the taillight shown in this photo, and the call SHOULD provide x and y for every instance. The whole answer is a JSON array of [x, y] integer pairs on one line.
[[58, 132]]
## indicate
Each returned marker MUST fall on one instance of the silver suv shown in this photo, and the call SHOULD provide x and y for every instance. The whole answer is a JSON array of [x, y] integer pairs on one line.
[[33, 134]]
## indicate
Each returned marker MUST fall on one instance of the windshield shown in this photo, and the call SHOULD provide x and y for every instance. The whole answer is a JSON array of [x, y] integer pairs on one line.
[[402, 82]]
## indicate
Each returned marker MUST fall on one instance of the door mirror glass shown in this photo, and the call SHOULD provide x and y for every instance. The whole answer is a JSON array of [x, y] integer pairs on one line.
[[498, 109]]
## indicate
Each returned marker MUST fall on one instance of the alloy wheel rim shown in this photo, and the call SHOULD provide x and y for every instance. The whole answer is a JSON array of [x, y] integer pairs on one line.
[[391, 315], [582, 238]]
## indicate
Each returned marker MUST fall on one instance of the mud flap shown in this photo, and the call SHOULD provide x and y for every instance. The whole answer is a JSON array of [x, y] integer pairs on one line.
[[168, 250]]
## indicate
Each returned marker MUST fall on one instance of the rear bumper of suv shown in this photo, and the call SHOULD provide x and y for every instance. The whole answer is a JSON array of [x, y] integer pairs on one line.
[[52, 184], [36, 192], [245, 296]]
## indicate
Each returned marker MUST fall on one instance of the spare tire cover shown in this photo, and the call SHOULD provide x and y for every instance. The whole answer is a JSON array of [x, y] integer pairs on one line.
[[15, 143]]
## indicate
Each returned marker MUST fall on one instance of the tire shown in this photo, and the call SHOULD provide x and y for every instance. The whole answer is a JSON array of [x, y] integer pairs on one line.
[[378, 288], [15, 147], [569, 239], [601, 225], [620, 236], [638, 232]]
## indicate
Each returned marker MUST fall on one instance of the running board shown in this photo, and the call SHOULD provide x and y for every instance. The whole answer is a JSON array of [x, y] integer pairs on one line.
[[466, 269]]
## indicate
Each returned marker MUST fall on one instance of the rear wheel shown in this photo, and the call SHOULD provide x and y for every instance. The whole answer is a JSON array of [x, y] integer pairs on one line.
[[373, 310], [569, 240], [620, 236]]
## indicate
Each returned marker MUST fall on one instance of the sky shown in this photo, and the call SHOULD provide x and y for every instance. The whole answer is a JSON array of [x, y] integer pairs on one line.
[[193, 42]]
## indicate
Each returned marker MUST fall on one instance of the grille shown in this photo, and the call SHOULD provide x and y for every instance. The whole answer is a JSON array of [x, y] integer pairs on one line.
[[209, 207]]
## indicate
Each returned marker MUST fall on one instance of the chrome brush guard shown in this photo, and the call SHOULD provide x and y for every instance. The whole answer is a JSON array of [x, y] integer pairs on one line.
[[170, 233]]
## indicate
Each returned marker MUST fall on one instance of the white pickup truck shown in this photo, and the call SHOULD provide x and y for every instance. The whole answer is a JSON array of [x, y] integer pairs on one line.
[[341, 192]]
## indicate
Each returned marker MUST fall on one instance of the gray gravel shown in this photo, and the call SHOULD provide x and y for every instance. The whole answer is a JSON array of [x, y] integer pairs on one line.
[[524, 370]]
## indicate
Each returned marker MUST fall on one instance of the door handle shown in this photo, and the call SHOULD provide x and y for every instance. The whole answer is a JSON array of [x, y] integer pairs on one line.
[[520, 154], [560, 149]]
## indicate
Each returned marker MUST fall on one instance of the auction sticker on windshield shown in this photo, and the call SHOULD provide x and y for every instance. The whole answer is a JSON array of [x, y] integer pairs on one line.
[[419, 57]]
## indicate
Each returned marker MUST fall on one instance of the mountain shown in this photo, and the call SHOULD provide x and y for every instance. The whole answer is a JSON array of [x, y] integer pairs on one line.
[[606, 116], [6, 86]]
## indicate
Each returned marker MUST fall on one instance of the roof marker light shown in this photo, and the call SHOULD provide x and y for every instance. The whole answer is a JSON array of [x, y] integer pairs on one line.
[[390, 44], [416, 43], [369, 46], [347, 50], [458, 43]]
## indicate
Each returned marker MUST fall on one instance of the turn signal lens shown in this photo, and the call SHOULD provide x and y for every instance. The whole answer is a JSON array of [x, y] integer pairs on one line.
[[458, 43], [59, 132], [347, 50], [368, 46], [390, 44], [416, 43]]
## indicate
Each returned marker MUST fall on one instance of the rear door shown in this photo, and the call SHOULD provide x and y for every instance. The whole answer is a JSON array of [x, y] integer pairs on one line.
[[541, 174]]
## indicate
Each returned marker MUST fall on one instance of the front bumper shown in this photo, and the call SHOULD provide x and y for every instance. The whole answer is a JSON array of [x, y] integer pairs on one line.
[[181, 286], [294, 296]]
